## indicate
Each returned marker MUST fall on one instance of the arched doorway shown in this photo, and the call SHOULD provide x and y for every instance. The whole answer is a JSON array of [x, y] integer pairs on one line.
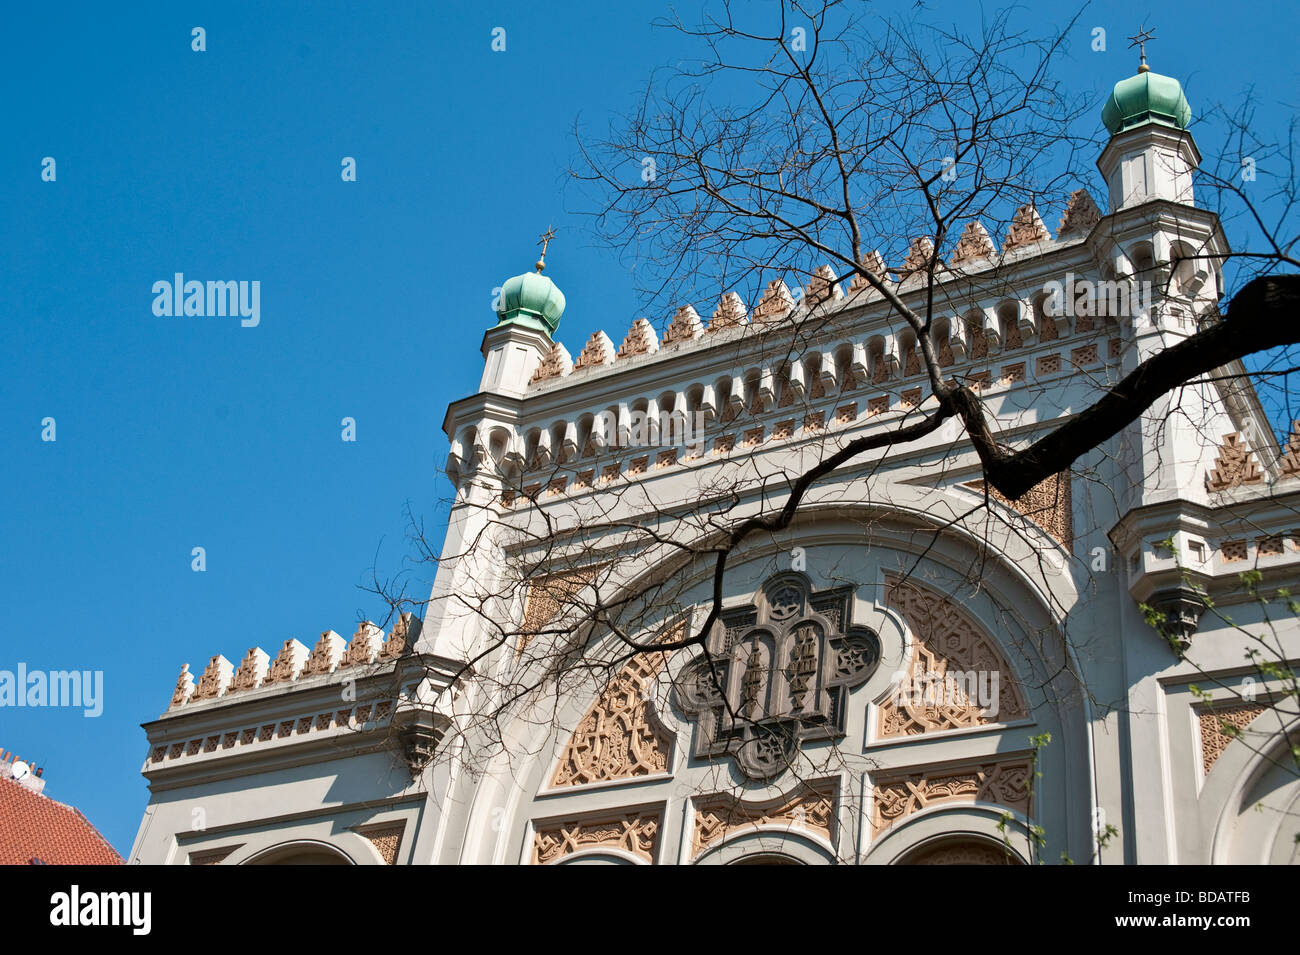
[[962, 850], [301, 853]]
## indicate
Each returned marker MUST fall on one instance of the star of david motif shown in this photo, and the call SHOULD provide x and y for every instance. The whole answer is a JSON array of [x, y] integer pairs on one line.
[[780, 674]]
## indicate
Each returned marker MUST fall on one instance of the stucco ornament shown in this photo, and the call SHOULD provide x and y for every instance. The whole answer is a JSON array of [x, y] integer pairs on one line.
[[776, 675]]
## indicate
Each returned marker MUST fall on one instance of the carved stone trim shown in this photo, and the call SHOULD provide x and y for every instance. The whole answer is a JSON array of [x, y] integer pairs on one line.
[[874, 263], [1081, 214], [618, 738], [386, 838], [975, 243], [251, 672], [640, 340], [288, 663], [184, 688], [1182, 608], [547, 597], [947, 640], [822, 287], [811, 809], [1026, 229], [685, 326], [1234, 466], [324, 657], [1290, 460], [1214, 738], [730, 313], [920, 253], [556, 364], [1048, 504], [1002, 783], [365, 646], [599, 350], [215, 679], [634, 831], [777, 303], [403, 637], [778, 674]]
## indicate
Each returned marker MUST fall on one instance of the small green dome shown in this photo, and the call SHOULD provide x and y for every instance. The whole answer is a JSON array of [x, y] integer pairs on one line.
[[1146, 98], [531, 299]]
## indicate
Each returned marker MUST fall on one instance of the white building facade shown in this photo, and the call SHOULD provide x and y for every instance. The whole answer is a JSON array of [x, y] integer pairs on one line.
[[911, 671]]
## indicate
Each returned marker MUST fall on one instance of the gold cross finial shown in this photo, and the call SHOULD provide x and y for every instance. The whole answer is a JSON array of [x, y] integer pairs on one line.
[[545, 240], [1140, 40]]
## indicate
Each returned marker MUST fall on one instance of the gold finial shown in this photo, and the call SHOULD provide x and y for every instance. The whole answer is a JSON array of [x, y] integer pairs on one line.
[[545, 239], [1140, 40]]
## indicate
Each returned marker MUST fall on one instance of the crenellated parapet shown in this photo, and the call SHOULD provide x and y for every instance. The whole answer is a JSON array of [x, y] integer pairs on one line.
[[375, 691], [294, 663], [779, 306], [1043, 314]]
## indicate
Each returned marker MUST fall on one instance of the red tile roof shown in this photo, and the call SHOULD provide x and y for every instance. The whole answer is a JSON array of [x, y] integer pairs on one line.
[[34, 827]]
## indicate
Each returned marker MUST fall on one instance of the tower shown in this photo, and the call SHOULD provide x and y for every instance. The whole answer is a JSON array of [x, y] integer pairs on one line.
[[1151, 155], [529, 312]]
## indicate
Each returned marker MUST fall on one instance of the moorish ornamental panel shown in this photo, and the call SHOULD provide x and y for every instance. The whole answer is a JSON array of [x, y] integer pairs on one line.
[[777, 675]]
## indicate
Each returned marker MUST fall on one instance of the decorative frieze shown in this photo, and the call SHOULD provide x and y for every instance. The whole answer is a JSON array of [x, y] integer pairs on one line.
[[212, 856], [810, 809], [964, 852], [1084, 355], [294, 662], [299, 726], [1004, 784], [635, 832]]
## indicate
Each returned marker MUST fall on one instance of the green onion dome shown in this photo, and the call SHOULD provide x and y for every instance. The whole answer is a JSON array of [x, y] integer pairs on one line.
[[1146, 98], [531, 300]]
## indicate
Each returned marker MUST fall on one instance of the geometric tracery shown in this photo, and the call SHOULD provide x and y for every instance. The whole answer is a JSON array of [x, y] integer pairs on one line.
[[635, 832], [811, 809], [948, 647], [1001, 783], [776, 674], [618, 738]]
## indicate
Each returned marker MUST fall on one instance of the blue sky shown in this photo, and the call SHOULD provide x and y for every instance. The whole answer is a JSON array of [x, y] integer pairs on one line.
[[174, 433]]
